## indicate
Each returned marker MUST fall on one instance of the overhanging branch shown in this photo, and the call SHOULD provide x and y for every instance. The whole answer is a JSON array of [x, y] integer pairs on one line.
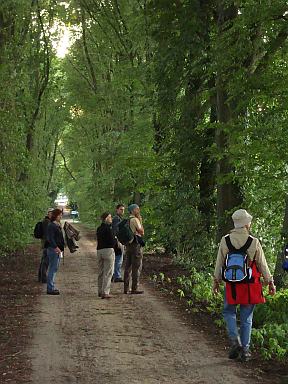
[[66, 166]]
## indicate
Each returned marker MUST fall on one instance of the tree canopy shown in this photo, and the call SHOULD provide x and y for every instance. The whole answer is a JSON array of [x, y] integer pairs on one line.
[[178, 106]]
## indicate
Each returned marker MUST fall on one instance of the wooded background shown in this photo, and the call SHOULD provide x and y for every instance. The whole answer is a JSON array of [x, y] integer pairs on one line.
[[179, 106]]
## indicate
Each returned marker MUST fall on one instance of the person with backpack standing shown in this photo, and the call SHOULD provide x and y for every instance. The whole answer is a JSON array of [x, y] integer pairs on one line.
[[134, 252], [44, 262], [105, 254], [119, 248], [56, 246], [240, 263]]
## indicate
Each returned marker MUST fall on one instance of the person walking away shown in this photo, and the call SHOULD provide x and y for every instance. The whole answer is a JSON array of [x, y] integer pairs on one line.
[[105, 255], [240, 263], [56, 246], [119, 248], [44, 262], [134, 252]]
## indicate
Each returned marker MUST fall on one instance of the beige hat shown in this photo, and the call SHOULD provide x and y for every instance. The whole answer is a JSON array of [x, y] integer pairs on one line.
[[241, 218]]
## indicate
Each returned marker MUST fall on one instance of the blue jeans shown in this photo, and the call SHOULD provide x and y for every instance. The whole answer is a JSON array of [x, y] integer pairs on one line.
[[246, 317], [54, 259], [117, 266]]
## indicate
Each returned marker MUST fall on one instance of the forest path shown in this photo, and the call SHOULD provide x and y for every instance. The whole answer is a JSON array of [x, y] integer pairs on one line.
[[82, 339]]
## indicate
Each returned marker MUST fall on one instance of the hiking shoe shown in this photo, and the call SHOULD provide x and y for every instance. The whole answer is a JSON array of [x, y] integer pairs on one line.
[[118, 280], [106, 296], [54, 292], [235, 350], [137, 292], [245, 356]]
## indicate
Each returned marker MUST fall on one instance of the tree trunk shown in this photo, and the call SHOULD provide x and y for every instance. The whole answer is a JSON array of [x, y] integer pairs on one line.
[[207, 178], [280, 276], [229, 194], [52, 167], [137, 198]]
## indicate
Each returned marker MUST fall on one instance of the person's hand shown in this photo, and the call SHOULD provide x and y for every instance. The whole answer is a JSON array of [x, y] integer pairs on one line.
[[139, 217], [272, 288], [58, 250], [216, 287]]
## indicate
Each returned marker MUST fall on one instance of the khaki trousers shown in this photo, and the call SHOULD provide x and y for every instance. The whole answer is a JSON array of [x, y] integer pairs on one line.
[[106, 260], [134, 256]]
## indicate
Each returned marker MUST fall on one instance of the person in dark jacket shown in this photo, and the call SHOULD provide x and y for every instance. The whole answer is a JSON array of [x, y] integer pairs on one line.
[[43, 267], [55, 247], [106, 256], [119, 248]]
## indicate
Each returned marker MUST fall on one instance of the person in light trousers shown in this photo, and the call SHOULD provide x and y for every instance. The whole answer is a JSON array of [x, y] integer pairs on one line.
[[105, 255]]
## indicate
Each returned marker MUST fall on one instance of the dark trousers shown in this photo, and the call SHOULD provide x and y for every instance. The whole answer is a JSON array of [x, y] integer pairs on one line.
[[43, 267], [134, 257]]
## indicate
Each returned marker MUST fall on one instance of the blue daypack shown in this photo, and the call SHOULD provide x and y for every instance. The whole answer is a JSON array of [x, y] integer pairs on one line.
[[236, 268], [285, 264]]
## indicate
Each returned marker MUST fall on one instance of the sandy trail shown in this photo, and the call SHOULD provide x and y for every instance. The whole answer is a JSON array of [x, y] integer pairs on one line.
[[82, 339]]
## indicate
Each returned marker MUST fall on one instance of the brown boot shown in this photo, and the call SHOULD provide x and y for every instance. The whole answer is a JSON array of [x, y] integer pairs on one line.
[[105, 296]]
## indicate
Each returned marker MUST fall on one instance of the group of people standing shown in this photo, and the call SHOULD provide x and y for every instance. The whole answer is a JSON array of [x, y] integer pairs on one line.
[[110, 251]]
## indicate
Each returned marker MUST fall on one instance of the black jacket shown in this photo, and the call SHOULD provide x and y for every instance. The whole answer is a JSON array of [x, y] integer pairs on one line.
[[115, 223], [45, 223], [105, 236], [55, 236]]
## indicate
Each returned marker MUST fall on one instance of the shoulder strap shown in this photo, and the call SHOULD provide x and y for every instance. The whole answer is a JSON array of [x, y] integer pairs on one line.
[[229, 244], [247, 244]]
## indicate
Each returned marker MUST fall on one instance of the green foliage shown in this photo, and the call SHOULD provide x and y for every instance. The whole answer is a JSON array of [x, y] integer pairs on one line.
[[274, 311], [272, 340], [29, 127], [144, 118]]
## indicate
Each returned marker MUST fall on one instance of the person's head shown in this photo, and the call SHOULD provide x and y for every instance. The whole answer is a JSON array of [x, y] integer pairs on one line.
[[120, 209], [106, 218], [242, 219], [56, 215], [49, 212], [134, 209]]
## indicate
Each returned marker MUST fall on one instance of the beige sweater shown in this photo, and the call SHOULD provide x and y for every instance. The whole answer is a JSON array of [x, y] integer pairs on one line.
[[238, 238]]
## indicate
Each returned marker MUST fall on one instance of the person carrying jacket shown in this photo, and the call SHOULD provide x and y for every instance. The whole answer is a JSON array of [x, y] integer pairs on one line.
[[119, 248], [44, 262], [56, 245], [134, 252], [105, 254], [247, 294]]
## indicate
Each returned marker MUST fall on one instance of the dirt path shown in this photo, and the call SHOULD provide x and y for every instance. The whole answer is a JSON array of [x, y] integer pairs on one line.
[[82, 339]]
